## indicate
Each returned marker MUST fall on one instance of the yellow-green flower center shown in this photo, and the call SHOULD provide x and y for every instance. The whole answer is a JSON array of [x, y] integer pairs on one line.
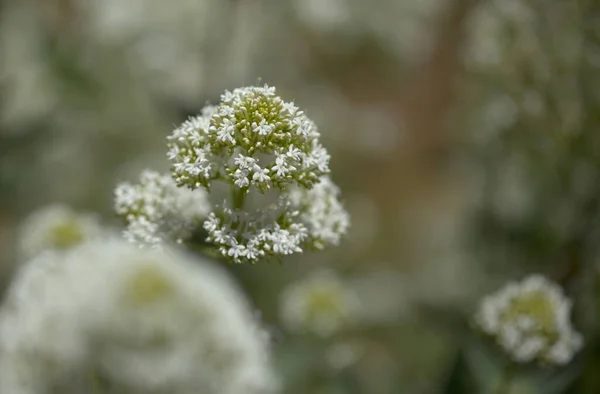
[[539, 307], [148, 285], [67, 234], [324, 301]]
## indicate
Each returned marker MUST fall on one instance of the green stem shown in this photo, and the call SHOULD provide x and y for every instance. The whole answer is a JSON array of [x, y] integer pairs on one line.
[[204, 249], [505, 382], [95, 383], [238, 195]]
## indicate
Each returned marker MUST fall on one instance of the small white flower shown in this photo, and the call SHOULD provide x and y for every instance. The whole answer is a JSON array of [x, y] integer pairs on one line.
[[241, 178], [225, 133], [262, 128], [252, 122], [281, 166], [237, 251], [228, 97], [260, 176], [244, 162], [318, 158], [173, 152], [290, 108], [531, 321], [293, 153]]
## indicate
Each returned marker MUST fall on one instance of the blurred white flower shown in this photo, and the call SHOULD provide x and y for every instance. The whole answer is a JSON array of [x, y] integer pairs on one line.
[[56, 227], [157, 210], [512, 199], [342, 355], [406, 27], [169, 44], [323, 15], [143, 320], [400, 27], [322, 304], [26, 80], [531, 321]]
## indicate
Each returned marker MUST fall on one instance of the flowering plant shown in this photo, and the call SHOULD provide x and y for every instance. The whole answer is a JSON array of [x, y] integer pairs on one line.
[[259, 147]]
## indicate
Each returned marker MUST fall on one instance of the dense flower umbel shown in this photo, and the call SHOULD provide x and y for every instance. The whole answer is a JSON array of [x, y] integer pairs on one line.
[[56, 227], [144, 320], [255, 142], [156, 210], [530, 320], [251, 139], [322, 304]]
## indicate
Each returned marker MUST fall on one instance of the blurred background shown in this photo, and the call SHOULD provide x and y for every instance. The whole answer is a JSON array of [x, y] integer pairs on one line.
[[463, 134]]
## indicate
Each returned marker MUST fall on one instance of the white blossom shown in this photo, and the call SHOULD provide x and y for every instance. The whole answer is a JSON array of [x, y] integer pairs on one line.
[[490, 29], [322, 304], [144, 320], [156, 210], [248, 236], [257, 143], [255, 123], [530, 320], [56, 227]]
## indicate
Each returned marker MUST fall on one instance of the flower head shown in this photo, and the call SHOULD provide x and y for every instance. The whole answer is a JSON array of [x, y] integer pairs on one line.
[[156, 210], [322, 304], [56, 227], [530, 320], [145, 320], [256, 143], [251, 139]]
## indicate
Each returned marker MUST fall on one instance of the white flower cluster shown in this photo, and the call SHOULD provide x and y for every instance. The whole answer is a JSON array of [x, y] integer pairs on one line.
[[252, 139], [322, 304], [321, 212], [490, 30], [137, 320], [301, 218], [249, 236], [255, 142], [156, 210], [531, 321], [56, 227]]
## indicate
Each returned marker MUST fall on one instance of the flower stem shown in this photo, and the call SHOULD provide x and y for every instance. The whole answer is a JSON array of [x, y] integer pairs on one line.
[[504, 383], [239, 195], [96, 386]]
